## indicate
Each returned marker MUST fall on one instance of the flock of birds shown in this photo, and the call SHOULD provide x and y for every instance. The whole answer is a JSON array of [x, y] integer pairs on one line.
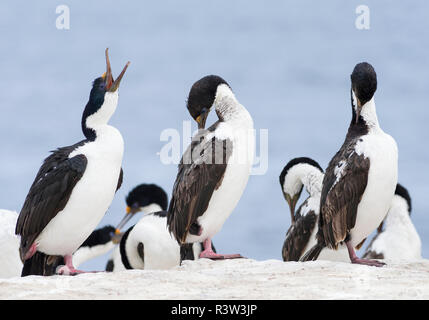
[[358, 193]]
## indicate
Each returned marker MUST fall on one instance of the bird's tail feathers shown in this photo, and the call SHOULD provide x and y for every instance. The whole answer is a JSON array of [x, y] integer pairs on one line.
[[41, 264], [313, 253]]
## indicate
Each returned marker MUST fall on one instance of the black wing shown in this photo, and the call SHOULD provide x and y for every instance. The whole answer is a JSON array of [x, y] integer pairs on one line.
[[298, 235], [200, 173], [343, 186], [49, 193]]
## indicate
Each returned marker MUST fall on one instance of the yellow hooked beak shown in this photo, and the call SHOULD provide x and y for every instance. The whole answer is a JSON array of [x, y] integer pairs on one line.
[[201, 119]]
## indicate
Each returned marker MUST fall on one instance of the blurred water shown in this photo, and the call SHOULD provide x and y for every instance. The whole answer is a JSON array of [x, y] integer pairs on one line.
[[288, 62]]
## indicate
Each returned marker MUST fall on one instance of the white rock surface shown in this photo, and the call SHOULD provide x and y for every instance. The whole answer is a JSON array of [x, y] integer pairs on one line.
[[234, 279]]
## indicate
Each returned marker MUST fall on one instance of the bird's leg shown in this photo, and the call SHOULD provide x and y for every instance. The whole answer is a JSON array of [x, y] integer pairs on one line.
[[31, 251], [210, 254], [356, 260], [68, 268]]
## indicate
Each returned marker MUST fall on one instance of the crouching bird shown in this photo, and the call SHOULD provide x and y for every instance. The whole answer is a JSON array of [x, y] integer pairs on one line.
[[74, 186]]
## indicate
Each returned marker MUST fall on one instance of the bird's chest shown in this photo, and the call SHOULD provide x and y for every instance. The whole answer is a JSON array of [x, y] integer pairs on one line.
[[382, 179], [234, 180], [98, 184], [381, 150], [89, 200]]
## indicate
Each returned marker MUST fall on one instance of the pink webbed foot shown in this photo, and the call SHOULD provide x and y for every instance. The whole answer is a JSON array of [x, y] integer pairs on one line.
[[67, 271], [215, 256], [368, 262], [210, 254], [355, 260]]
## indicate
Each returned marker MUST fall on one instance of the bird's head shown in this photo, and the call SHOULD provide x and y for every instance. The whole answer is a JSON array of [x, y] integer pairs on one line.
[[364, 85], [103, 100], [144, 198], [291, 179], [202, 97]]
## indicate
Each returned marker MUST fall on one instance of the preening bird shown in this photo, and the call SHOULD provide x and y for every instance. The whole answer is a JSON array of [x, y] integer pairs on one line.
[[215, 168], [300, 173]]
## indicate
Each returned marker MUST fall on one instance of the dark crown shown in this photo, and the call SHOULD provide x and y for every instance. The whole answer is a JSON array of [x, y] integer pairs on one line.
[[146, 194]]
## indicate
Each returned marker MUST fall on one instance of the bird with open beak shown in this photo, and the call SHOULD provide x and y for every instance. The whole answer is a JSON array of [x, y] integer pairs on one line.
[[75, 184]]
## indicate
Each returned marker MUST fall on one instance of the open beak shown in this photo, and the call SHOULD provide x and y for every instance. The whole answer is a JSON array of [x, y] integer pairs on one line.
[[130, 213], [201, 119], [113, 85]]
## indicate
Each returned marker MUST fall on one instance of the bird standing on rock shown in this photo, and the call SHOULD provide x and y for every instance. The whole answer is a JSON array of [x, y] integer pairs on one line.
[[360, 181], [75, 185], [214, 170]]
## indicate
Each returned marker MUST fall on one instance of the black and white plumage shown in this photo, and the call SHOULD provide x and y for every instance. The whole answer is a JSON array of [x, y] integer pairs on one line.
[[149, 245], [360, 180], [98, 243], [76, 184], [301, 235], [215, 168], [396, 238], [144, 198]]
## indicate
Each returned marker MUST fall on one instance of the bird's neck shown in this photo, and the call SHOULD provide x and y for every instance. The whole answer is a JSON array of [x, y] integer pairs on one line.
[[304, 175], [228, 109], [368, 121], [95, 121], [153, 207], [369, 114]]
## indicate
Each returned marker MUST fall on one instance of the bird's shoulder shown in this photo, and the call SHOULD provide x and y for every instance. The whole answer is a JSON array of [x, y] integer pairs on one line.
[[51, 189]]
